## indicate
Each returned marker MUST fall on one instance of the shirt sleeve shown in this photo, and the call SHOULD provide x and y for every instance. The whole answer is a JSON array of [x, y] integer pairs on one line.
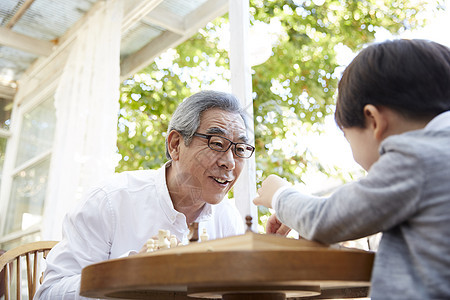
[[87, 235], [275, 197], [387, 196]]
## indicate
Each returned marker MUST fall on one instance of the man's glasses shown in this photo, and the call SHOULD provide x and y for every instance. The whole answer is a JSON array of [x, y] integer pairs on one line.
[[222, 144]]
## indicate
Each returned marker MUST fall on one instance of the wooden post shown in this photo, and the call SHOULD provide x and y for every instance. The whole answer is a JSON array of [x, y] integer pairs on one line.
[[241, 86]]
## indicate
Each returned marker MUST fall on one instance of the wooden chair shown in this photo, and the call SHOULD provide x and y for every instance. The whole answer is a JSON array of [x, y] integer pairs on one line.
[[12, 258]]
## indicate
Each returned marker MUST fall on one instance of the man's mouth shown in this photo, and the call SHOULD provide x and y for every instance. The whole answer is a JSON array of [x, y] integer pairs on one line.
[[221, 180]]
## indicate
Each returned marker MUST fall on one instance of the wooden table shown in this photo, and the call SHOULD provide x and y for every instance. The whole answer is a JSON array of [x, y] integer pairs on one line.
[[250, 266]]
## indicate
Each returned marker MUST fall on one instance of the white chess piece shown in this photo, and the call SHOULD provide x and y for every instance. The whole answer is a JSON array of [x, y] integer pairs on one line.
[[163, 241], [151, 245], [173, 241], [204, 236]]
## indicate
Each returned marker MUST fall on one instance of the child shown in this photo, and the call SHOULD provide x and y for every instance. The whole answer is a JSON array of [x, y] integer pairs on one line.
[[394, 109]]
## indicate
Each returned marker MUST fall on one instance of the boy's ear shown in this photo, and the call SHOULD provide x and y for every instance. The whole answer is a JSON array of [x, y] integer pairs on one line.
[[376, 120], [174, 140]]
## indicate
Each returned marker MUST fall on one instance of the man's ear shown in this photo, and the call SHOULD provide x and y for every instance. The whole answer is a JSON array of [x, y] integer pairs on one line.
[[174, 140], [376, 120]]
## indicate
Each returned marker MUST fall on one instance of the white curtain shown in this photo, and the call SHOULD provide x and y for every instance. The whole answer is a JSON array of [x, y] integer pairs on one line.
[[87, 104]]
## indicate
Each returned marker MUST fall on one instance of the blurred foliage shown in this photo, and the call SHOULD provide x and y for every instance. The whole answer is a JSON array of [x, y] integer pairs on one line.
[[294, 90]]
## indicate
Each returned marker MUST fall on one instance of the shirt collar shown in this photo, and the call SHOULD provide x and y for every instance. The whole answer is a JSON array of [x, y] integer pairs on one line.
[[166, 201], [439, 122]]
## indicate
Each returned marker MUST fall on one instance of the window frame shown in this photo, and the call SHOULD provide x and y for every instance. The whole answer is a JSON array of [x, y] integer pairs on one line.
[[10, 170]]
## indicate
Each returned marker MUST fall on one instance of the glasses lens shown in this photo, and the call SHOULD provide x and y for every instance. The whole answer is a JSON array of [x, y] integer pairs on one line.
[[222, 144], [244, 150], [219, 144]]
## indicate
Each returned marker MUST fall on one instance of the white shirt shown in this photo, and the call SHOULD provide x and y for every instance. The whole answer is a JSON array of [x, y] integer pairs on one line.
[[119, 217]]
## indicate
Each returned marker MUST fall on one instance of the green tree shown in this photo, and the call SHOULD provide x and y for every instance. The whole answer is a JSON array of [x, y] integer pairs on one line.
[[294, 90]]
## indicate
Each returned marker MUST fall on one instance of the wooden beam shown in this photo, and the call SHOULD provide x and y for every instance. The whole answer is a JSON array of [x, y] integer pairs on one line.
[[136, 10], [165, 19], [204, 14], [143, 57], [25, 43], [193, 22], [19, 14]]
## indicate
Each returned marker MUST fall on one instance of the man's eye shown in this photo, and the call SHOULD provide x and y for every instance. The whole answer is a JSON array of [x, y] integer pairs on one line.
[[217, 144], [240, 148]]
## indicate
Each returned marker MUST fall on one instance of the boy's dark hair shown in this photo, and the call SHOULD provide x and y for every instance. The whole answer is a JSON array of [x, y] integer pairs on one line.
[[411, 77]]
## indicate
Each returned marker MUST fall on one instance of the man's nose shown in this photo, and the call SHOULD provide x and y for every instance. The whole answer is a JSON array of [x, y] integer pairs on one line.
[[227, 159]]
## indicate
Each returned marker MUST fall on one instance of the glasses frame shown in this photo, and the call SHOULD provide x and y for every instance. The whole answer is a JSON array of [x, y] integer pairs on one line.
[[209, 136]]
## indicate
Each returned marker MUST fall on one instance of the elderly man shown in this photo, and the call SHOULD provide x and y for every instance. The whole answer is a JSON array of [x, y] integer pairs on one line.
[[206, 146]]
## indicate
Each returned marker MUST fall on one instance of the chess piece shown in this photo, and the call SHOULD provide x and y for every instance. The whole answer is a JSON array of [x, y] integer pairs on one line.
[[163, 241], [204, 236], [173, 241], [151, 246], [193, 232], [248, 221]]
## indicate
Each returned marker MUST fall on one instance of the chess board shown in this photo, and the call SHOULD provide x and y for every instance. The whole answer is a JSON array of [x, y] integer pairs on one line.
[[249, 241]]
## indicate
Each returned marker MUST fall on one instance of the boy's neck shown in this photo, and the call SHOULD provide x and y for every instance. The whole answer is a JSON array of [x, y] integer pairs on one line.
[[398, 124]]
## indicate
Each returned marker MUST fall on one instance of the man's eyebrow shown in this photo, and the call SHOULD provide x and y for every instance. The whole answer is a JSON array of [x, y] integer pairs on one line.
[[223, 132], [243, 138], [216, 130]]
